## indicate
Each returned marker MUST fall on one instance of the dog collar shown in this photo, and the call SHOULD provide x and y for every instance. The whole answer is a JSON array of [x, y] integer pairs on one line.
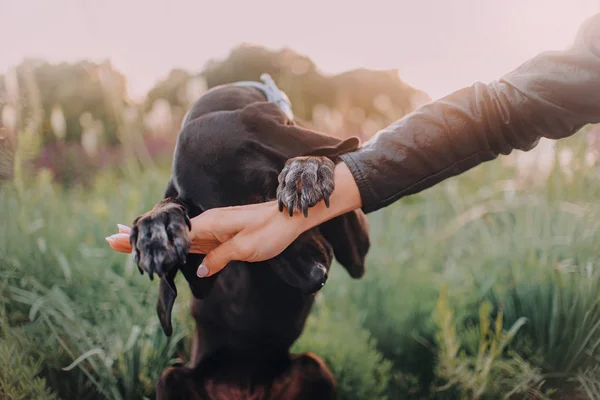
[[273, 94]]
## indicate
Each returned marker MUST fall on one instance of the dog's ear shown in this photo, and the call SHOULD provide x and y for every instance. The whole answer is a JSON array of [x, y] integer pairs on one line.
[[200, 287], [270, 125], [348, 235], [166, 299]]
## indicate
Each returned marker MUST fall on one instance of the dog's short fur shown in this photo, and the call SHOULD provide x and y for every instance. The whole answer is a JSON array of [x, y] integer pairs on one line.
[[230, 152]]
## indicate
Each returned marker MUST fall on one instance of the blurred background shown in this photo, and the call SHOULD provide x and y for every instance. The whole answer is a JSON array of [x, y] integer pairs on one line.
[[485, 286]]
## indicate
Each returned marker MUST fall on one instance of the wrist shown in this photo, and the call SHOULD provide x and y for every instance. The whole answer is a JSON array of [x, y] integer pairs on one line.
[[345, 198]]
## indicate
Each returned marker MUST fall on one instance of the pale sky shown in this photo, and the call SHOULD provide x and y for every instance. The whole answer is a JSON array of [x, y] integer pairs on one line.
[[437, 45]]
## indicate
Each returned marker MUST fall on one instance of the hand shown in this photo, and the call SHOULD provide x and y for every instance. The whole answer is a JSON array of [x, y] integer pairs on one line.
[[120, 242], [255, 232], [250, 233], [260, 232]]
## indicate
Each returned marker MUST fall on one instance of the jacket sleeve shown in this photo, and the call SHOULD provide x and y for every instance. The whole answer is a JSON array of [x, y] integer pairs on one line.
[[552, 95]]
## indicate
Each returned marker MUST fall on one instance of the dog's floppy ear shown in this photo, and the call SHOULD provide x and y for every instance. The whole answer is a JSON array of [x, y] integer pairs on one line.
[[348, 235], [166, 299], [200, 287], [270, 125]]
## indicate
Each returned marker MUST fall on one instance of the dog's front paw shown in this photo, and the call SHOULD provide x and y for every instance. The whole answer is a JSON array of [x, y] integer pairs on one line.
[[305, 181], [159, 238]]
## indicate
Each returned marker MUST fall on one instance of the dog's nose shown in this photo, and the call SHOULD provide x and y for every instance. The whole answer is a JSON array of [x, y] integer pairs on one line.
[[317, 278]]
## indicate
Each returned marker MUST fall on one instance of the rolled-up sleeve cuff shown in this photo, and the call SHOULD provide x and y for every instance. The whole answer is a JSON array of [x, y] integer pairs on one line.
[[369, 200]]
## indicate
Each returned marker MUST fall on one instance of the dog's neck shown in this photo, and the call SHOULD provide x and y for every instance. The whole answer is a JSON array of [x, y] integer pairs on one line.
[[273, 94]]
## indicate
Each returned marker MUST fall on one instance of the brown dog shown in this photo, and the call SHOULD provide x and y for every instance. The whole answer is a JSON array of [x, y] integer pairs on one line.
[[235, 148]]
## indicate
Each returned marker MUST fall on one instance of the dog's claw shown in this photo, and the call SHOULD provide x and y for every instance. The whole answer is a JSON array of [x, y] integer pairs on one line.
[[304, 182], [160, 238], [158, 269], [135, 253], [181, 253]]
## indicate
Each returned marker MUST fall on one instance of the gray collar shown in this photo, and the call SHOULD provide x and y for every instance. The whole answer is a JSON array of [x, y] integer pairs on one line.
[[272, 93]]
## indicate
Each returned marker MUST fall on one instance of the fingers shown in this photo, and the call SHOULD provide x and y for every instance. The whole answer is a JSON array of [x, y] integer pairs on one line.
[[220, 223], [210, 231], [222, 255], [124, 229], [200, 246], [119, 242]]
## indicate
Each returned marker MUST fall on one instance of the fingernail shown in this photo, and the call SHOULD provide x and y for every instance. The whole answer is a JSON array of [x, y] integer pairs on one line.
[[110, 239], [123, 228], [202, 271]]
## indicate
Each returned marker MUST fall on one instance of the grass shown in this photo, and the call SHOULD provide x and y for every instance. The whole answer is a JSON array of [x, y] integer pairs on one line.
[[471, 291]]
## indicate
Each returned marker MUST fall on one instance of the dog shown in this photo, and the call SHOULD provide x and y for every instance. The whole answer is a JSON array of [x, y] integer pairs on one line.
[[239, 144]]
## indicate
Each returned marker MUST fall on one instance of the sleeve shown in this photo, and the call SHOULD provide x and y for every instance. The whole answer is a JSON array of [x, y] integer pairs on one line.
[[552, 95]]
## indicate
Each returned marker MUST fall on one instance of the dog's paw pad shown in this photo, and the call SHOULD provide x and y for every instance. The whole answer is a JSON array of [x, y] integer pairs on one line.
[[305, 181], [159, 239]]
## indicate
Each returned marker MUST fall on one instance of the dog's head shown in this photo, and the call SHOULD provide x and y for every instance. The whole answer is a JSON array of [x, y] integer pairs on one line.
[[270, 138]]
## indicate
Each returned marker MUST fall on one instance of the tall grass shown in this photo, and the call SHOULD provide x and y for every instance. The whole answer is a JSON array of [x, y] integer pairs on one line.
[[531, 250], [88, 314], [79, 302], [509, 258]]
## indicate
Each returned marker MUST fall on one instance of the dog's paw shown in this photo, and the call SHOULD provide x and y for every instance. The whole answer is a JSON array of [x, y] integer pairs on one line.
[[159, 238], [305, 181]]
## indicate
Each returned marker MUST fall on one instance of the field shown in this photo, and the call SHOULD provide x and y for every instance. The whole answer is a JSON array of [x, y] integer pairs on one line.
[[485, 286]]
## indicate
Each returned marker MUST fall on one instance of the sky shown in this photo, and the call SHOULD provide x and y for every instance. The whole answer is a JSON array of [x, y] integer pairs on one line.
[[436, 45]]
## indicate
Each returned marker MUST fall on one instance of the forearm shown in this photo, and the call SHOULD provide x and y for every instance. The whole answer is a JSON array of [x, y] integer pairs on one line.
[[552, 96]]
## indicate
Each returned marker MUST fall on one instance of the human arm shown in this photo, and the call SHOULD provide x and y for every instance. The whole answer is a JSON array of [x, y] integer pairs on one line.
[[260, 232], [552, 95]]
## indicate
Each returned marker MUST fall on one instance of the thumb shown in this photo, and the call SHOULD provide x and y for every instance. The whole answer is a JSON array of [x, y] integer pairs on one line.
[[219, 257]]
